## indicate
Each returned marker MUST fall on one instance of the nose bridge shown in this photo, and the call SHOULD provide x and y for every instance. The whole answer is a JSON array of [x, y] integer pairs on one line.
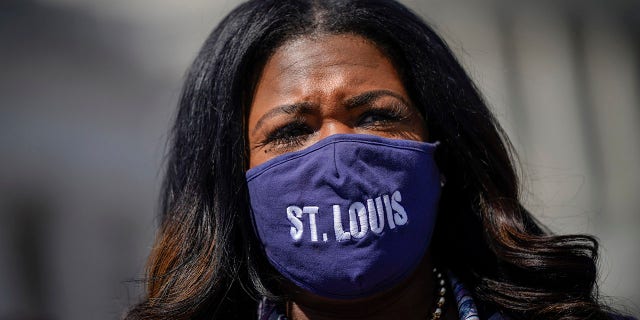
[[334, 126]]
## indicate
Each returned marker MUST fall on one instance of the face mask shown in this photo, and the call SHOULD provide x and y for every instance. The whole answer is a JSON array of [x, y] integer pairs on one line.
[[348, 217]]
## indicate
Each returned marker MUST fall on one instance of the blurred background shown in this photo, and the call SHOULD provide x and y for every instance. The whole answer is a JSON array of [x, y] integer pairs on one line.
[[88, 89]]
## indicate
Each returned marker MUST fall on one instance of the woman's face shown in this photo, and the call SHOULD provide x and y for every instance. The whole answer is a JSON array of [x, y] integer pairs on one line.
[[312, 88]]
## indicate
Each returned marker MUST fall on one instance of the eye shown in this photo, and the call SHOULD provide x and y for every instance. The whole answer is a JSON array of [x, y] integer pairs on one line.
[[381, 116], [288, 136]]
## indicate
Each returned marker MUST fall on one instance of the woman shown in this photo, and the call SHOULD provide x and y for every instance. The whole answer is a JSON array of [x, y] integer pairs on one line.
[[332, 160]]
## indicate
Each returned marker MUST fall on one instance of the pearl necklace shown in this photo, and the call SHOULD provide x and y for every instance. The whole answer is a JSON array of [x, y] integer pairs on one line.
[[437, 313], [441, 293]]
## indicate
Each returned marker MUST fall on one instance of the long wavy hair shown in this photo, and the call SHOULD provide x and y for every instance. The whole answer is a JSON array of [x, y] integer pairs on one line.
[[206, 261]]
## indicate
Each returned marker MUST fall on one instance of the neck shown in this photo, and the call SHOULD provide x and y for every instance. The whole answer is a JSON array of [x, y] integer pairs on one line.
[[414, 298]]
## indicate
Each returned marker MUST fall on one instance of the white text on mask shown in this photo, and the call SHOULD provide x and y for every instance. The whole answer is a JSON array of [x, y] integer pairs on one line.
[[362, 218]]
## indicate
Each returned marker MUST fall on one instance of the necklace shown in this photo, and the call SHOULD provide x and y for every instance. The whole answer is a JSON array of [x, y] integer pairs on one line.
[[437, 313], [442, 291]]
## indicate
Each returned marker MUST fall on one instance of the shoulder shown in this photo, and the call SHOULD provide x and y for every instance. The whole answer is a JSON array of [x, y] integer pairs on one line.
[[498, 316], [621, 317]]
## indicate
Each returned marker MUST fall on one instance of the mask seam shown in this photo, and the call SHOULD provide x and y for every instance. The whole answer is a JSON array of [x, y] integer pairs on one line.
[[335, 164]]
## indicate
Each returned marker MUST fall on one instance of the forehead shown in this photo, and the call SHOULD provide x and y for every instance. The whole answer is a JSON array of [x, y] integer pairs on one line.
[[311, 65], [326, 51]]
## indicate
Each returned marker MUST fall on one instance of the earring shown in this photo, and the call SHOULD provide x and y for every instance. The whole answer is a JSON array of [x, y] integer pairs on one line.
[[443, 180]]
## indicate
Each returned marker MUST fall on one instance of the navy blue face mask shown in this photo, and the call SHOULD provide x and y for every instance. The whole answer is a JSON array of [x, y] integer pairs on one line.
[[348, 217]]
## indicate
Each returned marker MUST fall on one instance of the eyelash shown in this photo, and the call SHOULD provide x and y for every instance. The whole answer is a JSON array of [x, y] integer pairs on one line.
[[389, 115], [291, 135], [288, 136]]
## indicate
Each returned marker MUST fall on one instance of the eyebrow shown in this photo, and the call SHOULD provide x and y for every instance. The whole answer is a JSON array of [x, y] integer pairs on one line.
[[307, 107], [294, 108], [370, 96]]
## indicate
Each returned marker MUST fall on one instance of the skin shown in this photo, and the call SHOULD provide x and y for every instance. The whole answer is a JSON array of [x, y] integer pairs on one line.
[[314, 87]]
